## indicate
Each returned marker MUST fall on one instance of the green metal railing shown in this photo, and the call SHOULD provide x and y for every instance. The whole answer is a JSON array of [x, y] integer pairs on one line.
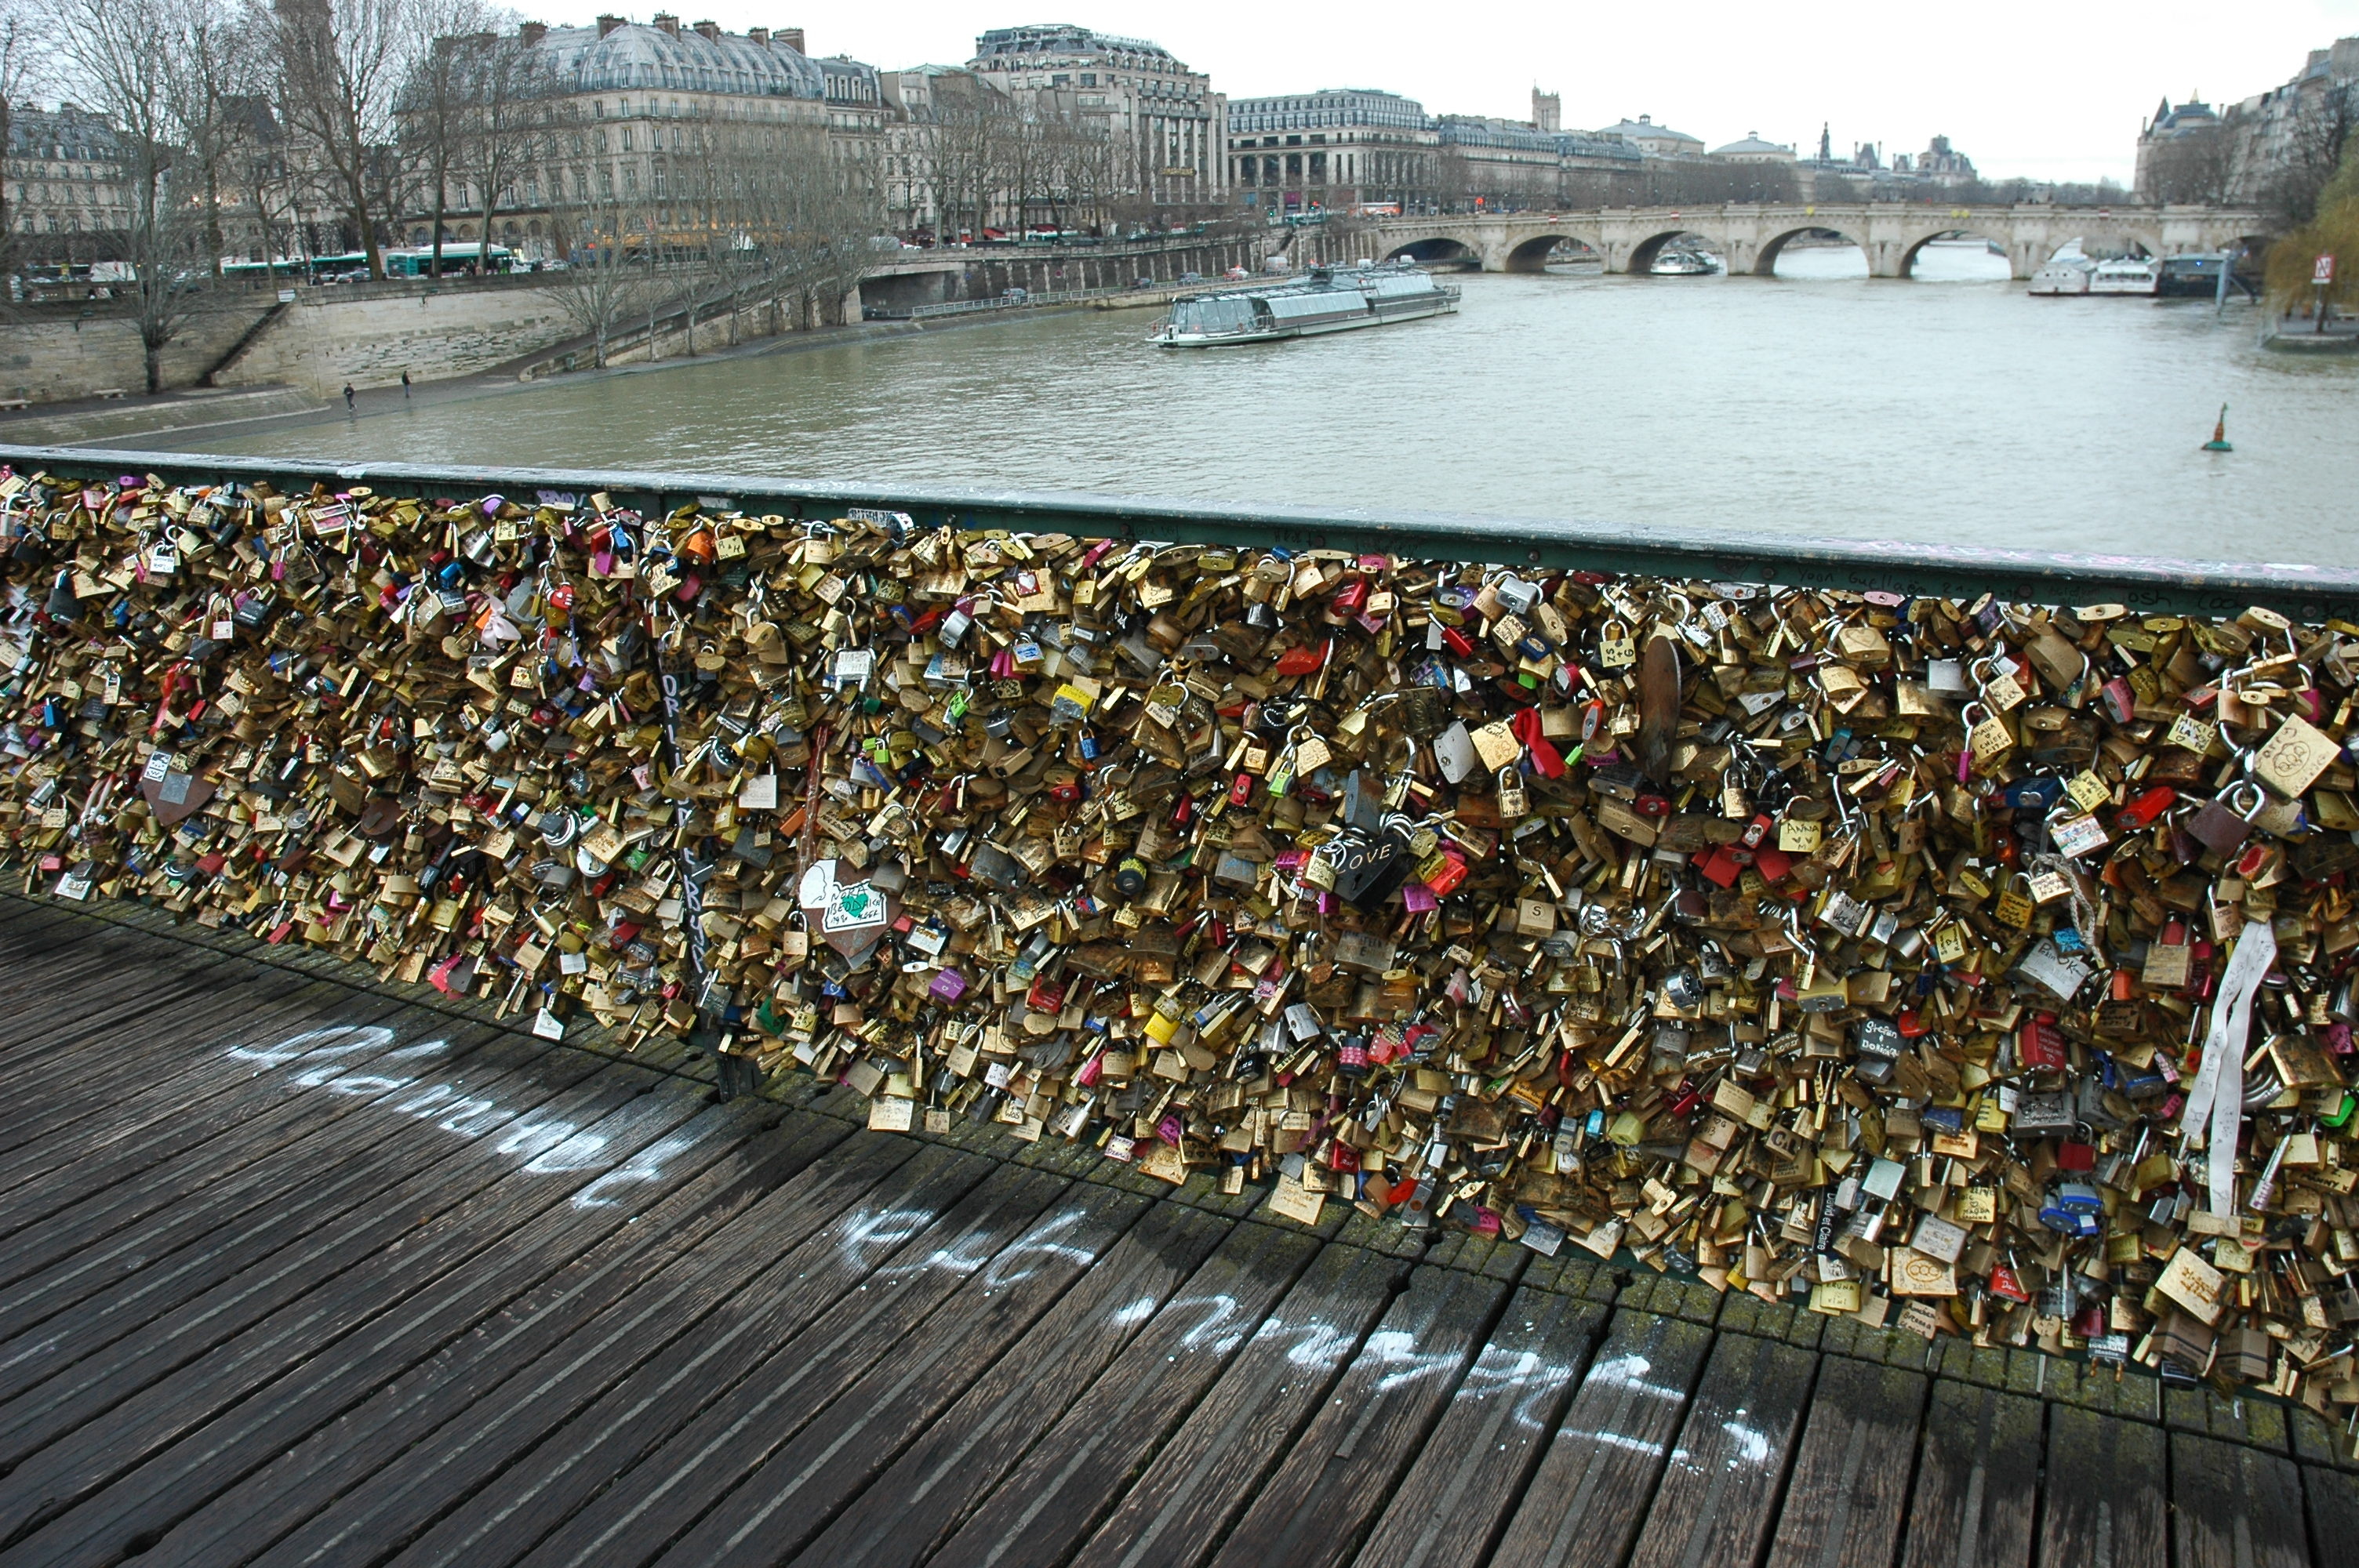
[[2151, 584]]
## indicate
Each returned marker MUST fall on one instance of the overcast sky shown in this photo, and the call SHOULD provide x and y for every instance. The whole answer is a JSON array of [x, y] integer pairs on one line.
[[2049, 91]]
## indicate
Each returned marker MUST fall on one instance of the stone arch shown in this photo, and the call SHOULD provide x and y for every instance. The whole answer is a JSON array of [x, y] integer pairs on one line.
[[2014, 251], [1766, 264], [1642, 256], [1433, 248], [1531, 254]]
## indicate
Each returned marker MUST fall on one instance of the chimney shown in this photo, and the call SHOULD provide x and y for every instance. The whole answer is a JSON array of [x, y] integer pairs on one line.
[[532, 33], [793, 39], [761, 37], [608, 24], [708, 31], [667, 22]]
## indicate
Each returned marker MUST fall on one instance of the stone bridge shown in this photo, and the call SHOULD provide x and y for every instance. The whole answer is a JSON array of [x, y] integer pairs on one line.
[[1749, 236]]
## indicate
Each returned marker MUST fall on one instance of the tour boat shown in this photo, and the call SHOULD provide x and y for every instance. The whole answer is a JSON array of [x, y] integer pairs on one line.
[[2064, 274], [1328, 300], [2123, 275], [1683, 261]]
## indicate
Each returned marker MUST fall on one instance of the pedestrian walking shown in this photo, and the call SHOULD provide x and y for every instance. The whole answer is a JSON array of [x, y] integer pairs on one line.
[[348, 397], [405, 385]]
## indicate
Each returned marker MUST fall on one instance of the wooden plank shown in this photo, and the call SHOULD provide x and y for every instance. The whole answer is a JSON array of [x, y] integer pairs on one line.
[[910, 1508], [1207, 1474], [2105, 1497], [801, 1487], [2333, 1499], [1589, 1495], [185, 1098], [1719, 1495], [95, 1057], [1456, 1500], [336, 1178], [1849, 1484], [906, 1268], [398, 1462], [173, 1159], [698, 1365], [1069, 1480], [1977, 1480], [404, 1278], [2235, 1506]]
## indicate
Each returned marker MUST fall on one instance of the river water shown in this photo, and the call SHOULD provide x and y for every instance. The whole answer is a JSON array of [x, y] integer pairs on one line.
[[1823, 403]]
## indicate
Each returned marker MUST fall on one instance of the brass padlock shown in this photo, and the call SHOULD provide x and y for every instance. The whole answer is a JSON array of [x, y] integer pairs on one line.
[[1513, 800]]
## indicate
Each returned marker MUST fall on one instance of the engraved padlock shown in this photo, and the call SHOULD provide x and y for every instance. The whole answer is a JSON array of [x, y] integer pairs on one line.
[[1615, 648], [1513, 800]]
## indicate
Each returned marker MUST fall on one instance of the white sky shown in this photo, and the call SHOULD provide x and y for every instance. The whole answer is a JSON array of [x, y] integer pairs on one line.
[[2050, 90]]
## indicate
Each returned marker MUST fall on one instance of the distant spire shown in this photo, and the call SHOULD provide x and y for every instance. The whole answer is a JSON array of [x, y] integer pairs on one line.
[[1826, 146]]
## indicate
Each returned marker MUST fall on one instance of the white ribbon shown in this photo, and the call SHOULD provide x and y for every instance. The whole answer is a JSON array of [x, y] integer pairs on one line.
[[2215, 1106]]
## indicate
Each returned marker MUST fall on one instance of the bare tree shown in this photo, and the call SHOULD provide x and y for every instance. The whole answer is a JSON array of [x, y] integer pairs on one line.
[[2325, 126], [214, 69], [111, 48], [2196, 166], [24, 61], [435, 108], [599, 287], [510, 90], [343, 63]]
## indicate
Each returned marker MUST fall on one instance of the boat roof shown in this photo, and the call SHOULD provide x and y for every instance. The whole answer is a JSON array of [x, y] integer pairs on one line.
[[1316, 283]]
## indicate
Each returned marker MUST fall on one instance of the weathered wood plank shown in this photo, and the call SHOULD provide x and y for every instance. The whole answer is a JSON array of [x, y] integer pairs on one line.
[[1589, 1495], [119, 1282], [1718, 1499], [2234, 1507], [795, 1493], [780, 1396], [701, 1363], [1081, 1468], [399, 1460], [1456, 1499], [910, 1508], [1849, 1484], [2104, 1505], [1977, 1480], [1207, 1474], [404, 1278], [2333, 1499]]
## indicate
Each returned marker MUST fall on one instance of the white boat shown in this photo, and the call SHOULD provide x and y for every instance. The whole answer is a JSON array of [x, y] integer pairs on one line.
[[1684, 261], [2124, 274], [1327, 301], [2064, 274]]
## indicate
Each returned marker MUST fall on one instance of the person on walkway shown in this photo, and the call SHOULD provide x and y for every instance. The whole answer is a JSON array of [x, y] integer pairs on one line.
[[348, 397], [405, 384]]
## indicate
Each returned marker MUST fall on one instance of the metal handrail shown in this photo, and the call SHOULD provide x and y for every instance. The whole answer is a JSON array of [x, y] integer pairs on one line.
[[1956, 571]]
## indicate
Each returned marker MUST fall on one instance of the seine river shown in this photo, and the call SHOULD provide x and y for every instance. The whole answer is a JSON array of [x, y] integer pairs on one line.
[[1955, 411]]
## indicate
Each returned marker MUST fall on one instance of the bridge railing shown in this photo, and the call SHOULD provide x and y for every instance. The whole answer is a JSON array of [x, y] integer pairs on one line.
[[1967, 572]]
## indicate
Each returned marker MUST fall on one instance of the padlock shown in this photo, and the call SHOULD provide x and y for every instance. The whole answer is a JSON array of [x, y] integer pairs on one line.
[[2222, 824], [1513, 801], [1615, 650]]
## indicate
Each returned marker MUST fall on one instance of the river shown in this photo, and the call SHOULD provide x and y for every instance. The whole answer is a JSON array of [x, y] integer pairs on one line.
[[1823, 403]]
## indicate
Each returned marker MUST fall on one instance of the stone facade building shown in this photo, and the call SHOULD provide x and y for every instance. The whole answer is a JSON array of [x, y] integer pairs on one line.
[[2190, 151], [63, 193], [1166, 126]]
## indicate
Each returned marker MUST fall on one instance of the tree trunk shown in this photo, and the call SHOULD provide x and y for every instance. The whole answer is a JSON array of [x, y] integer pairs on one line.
[[155, 357]]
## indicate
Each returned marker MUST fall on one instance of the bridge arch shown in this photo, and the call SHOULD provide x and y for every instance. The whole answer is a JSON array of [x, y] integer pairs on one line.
[[2018, 249], [1643, 253], [1765, 265], [1533, 253], [1433, 248]]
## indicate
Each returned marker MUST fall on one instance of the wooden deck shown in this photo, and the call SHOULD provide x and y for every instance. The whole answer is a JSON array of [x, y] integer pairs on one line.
[[295, 1273]]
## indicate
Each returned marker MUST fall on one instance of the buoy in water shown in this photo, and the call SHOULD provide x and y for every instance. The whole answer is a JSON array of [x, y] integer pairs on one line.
[[2219, 441]]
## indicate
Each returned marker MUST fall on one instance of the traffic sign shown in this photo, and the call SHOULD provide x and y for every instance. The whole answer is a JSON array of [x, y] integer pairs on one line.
[[2323, 270]]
